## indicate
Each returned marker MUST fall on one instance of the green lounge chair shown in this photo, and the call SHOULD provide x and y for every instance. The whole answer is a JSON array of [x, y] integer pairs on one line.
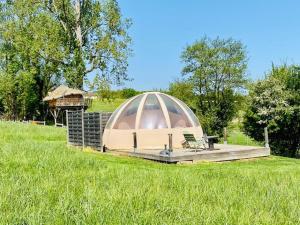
[[191, 142]]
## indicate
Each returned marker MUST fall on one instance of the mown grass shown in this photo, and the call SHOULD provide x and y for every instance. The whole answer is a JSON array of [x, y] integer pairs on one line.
[[44, 182], [104, 105]]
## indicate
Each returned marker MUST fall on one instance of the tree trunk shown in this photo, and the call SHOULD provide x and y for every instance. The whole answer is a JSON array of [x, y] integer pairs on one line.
[[79, 44], [78, 30]]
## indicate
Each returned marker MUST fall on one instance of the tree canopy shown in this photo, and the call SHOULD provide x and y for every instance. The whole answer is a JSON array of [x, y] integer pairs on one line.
[[215, 70], [94, 38]]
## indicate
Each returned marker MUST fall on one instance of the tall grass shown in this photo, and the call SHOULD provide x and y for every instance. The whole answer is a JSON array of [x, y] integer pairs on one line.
[[44, 182], [236, 136]]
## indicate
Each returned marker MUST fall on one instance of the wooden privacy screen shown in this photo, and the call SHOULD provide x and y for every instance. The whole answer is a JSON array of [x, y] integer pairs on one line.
[[74, 127], [86, 129]]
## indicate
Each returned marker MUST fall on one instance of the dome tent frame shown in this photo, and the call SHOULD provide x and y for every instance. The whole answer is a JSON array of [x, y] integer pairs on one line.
[[176, 115]]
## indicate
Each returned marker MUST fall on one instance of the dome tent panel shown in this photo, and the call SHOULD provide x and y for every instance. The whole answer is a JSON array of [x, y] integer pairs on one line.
[[177, 116], [115, 114], [190, 113], [127, 118], [147, 139], [152, 116]]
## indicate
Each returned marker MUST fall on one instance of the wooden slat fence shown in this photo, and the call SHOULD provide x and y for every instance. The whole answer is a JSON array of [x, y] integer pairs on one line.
[[74, 123], [88, 131]]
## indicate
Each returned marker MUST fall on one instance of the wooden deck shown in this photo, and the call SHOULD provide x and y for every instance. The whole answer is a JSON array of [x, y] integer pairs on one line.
[[222, 153]]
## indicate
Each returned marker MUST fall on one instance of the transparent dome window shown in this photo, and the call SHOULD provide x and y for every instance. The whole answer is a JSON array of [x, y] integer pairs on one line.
[[128, 116], [112, 118], [177, 116], [191, 113], [152, 115]]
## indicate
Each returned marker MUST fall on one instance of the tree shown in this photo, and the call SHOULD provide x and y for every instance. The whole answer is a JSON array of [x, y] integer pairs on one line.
[[182, 89], [95, 39], [102, 87], [216, 69], [25, 76], [275, 103]]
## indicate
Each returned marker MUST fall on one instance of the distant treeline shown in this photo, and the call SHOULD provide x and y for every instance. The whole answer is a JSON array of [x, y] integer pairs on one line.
[[110, 95]]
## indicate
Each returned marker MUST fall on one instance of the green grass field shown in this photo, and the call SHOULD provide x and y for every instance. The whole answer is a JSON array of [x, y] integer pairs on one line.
[[105, 106], [44, 182]]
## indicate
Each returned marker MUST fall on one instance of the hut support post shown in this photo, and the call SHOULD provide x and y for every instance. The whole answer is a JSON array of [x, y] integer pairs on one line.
[[55, 114], [62, 118]]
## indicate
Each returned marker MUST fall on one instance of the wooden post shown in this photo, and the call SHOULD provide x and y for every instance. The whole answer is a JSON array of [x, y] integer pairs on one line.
[[266, 138], [55, 117], [170, 143], [62, 118], [82, 127], [134, 141], [67, 121], [225, 135]]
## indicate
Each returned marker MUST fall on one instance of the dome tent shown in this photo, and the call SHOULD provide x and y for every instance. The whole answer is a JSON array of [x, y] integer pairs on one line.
[[152, 115]]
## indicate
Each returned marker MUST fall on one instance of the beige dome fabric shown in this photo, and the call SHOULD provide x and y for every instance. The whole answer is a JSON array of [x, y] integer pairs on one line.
[[152, 116]]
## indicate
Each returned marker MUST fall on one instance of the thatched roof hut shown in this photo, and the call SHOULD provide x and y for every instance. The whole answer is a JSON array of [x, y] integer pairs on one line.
[[65, 98], [61, 92]]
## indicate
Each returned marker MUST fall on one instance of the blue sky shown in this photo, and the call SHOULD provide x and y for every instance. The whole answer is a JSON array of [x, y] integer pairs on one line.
[[162, 28]]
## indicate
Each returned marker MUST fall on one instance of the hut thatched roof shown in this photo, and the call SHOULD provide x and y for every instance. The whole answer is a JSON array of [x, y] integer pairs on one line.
[[62, 91]]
